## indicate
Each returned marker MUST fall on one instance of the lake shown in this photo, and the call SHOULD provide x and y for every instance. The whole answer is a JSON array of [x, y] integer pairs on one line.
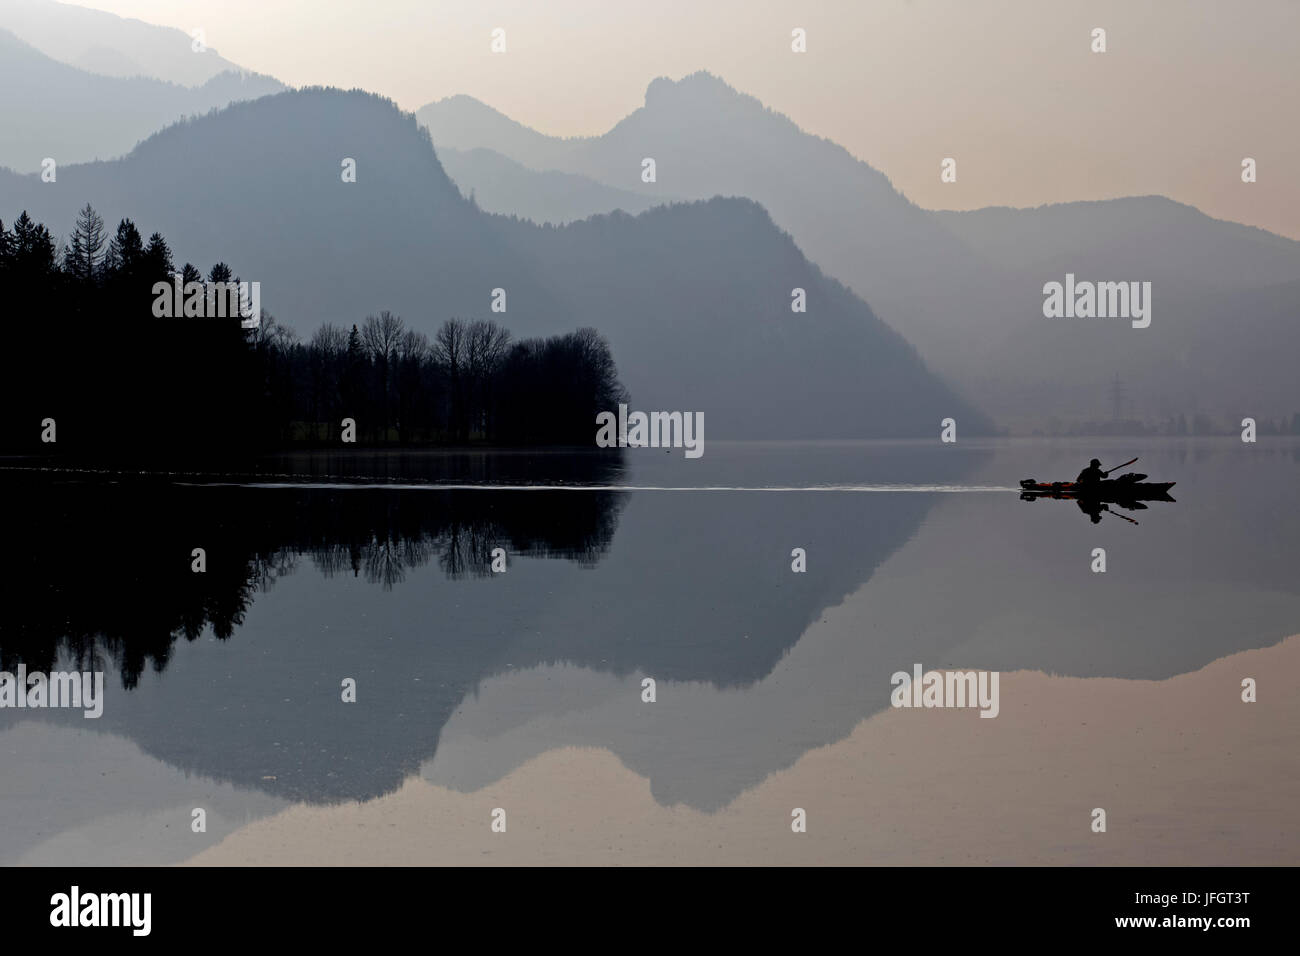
[[524, 690]]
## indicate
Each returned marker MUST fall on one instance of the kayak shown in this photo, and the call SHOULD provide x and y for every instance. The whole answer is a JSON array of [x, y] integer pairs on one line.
[[1125, 488]]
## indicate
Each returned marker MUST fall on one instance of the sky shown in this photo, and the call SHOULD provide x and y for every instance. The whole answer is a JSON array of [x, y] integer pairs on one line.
[[1010, 89]]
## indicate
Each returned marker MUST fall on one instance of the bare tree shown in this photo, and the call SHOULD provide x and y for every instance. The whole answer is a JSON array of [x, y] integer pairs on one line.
[[410, 363], [269, 334], [449, 353], [380, 335], [449, 344], [326, 355], [329, 340], [486, 346], [413, 346]]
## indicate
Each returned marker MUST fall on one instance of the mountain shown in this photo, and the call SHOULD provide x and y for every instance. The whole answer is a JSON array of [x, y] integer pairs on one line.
[[501, 185], [79, 116], [707, 139], [1225, 316], [462, 122], [695, 299], [106, 61], [964, 287], [111, 45]]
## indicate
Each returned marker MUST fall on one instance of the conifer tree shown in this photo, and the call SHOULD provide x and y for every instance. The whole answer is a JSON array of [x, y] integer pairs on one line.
[[84, 255], [126, 250]]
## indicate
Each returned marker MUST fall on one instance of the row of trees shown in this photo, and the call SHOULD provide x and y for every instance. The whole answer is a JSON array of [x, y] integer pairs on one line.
[[85, 349], [472, 382]]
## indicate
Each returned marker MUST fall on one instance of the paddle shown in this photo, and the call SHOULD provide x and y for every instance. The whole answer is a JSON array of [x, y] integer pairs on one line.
[[1118, 467], [1116, 513]]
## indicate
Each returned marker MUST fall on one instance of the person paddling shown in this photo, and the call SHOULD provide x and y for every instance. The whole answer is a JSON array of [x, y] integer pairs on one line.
[[1093, 474]]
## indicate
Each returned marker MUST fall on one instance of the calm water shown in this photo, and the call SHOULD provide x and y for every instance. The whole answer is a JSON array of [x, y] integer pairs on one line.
[[223, 689]]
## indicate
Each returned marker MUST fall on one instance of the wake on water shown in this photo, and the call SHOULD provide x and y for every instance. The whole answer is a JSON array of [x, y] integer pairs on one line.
[[340, 483]]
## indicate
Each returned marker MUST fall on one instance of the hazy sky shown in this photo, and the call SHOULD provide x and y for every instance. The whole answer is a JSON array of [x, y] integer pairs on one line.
[[1009, 88]]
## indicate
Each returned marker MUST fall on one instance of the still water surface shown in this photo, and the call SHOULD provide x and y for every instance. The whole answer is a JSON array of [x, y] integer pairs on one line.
[[223, 689]]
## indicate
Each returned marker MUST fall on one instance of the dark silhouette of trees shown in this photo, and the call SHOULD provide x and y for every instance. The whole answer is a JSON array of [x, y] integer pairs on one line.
[[352, 391], [449, 355], [326, 365], [125, 251], [553, 388], [417, 389], [486, 346], [90, 346], [32, 250], [32, 288], [379, 339], [157, 256], [460, 388]]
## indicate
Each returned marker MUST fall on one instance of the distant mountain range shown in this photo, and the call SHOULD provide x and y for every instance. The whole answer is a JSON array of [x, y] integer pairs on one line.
[[109, 45], [695, 299], [1226, 314], [965, 288], [51, 109], [709, 140]]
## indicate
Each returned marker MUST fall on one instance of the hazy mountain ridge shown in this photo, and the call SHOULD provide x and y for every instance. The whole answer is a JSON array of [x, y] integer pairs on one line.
[[838, 358], [1221, 323], [694, 299], [501, 185], [1055, 233], [700, 132], [50, 109], [462, 122], [965, 287], [114, 46]]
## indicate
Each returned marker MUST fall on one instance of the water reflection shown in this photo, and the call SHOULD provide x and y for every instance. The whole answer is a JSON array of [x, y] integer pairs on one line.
[[98, 570], [309, 586], [1097, 503], [463, 675]]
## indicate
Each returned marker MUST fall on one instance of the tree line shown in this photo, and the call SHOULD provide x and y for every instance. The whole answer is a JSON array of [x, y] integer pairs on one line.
[[86, 351]]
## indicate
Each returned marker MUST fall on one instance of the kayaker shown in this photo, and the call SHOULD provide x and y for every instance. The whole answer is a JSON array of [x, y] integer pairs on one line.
[[1092, 508], [1092, 474]]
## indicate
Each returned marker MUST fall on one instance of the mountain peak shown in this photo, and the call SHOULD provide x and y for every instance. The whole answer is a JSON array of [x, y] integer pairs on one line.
[[663, 90]]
